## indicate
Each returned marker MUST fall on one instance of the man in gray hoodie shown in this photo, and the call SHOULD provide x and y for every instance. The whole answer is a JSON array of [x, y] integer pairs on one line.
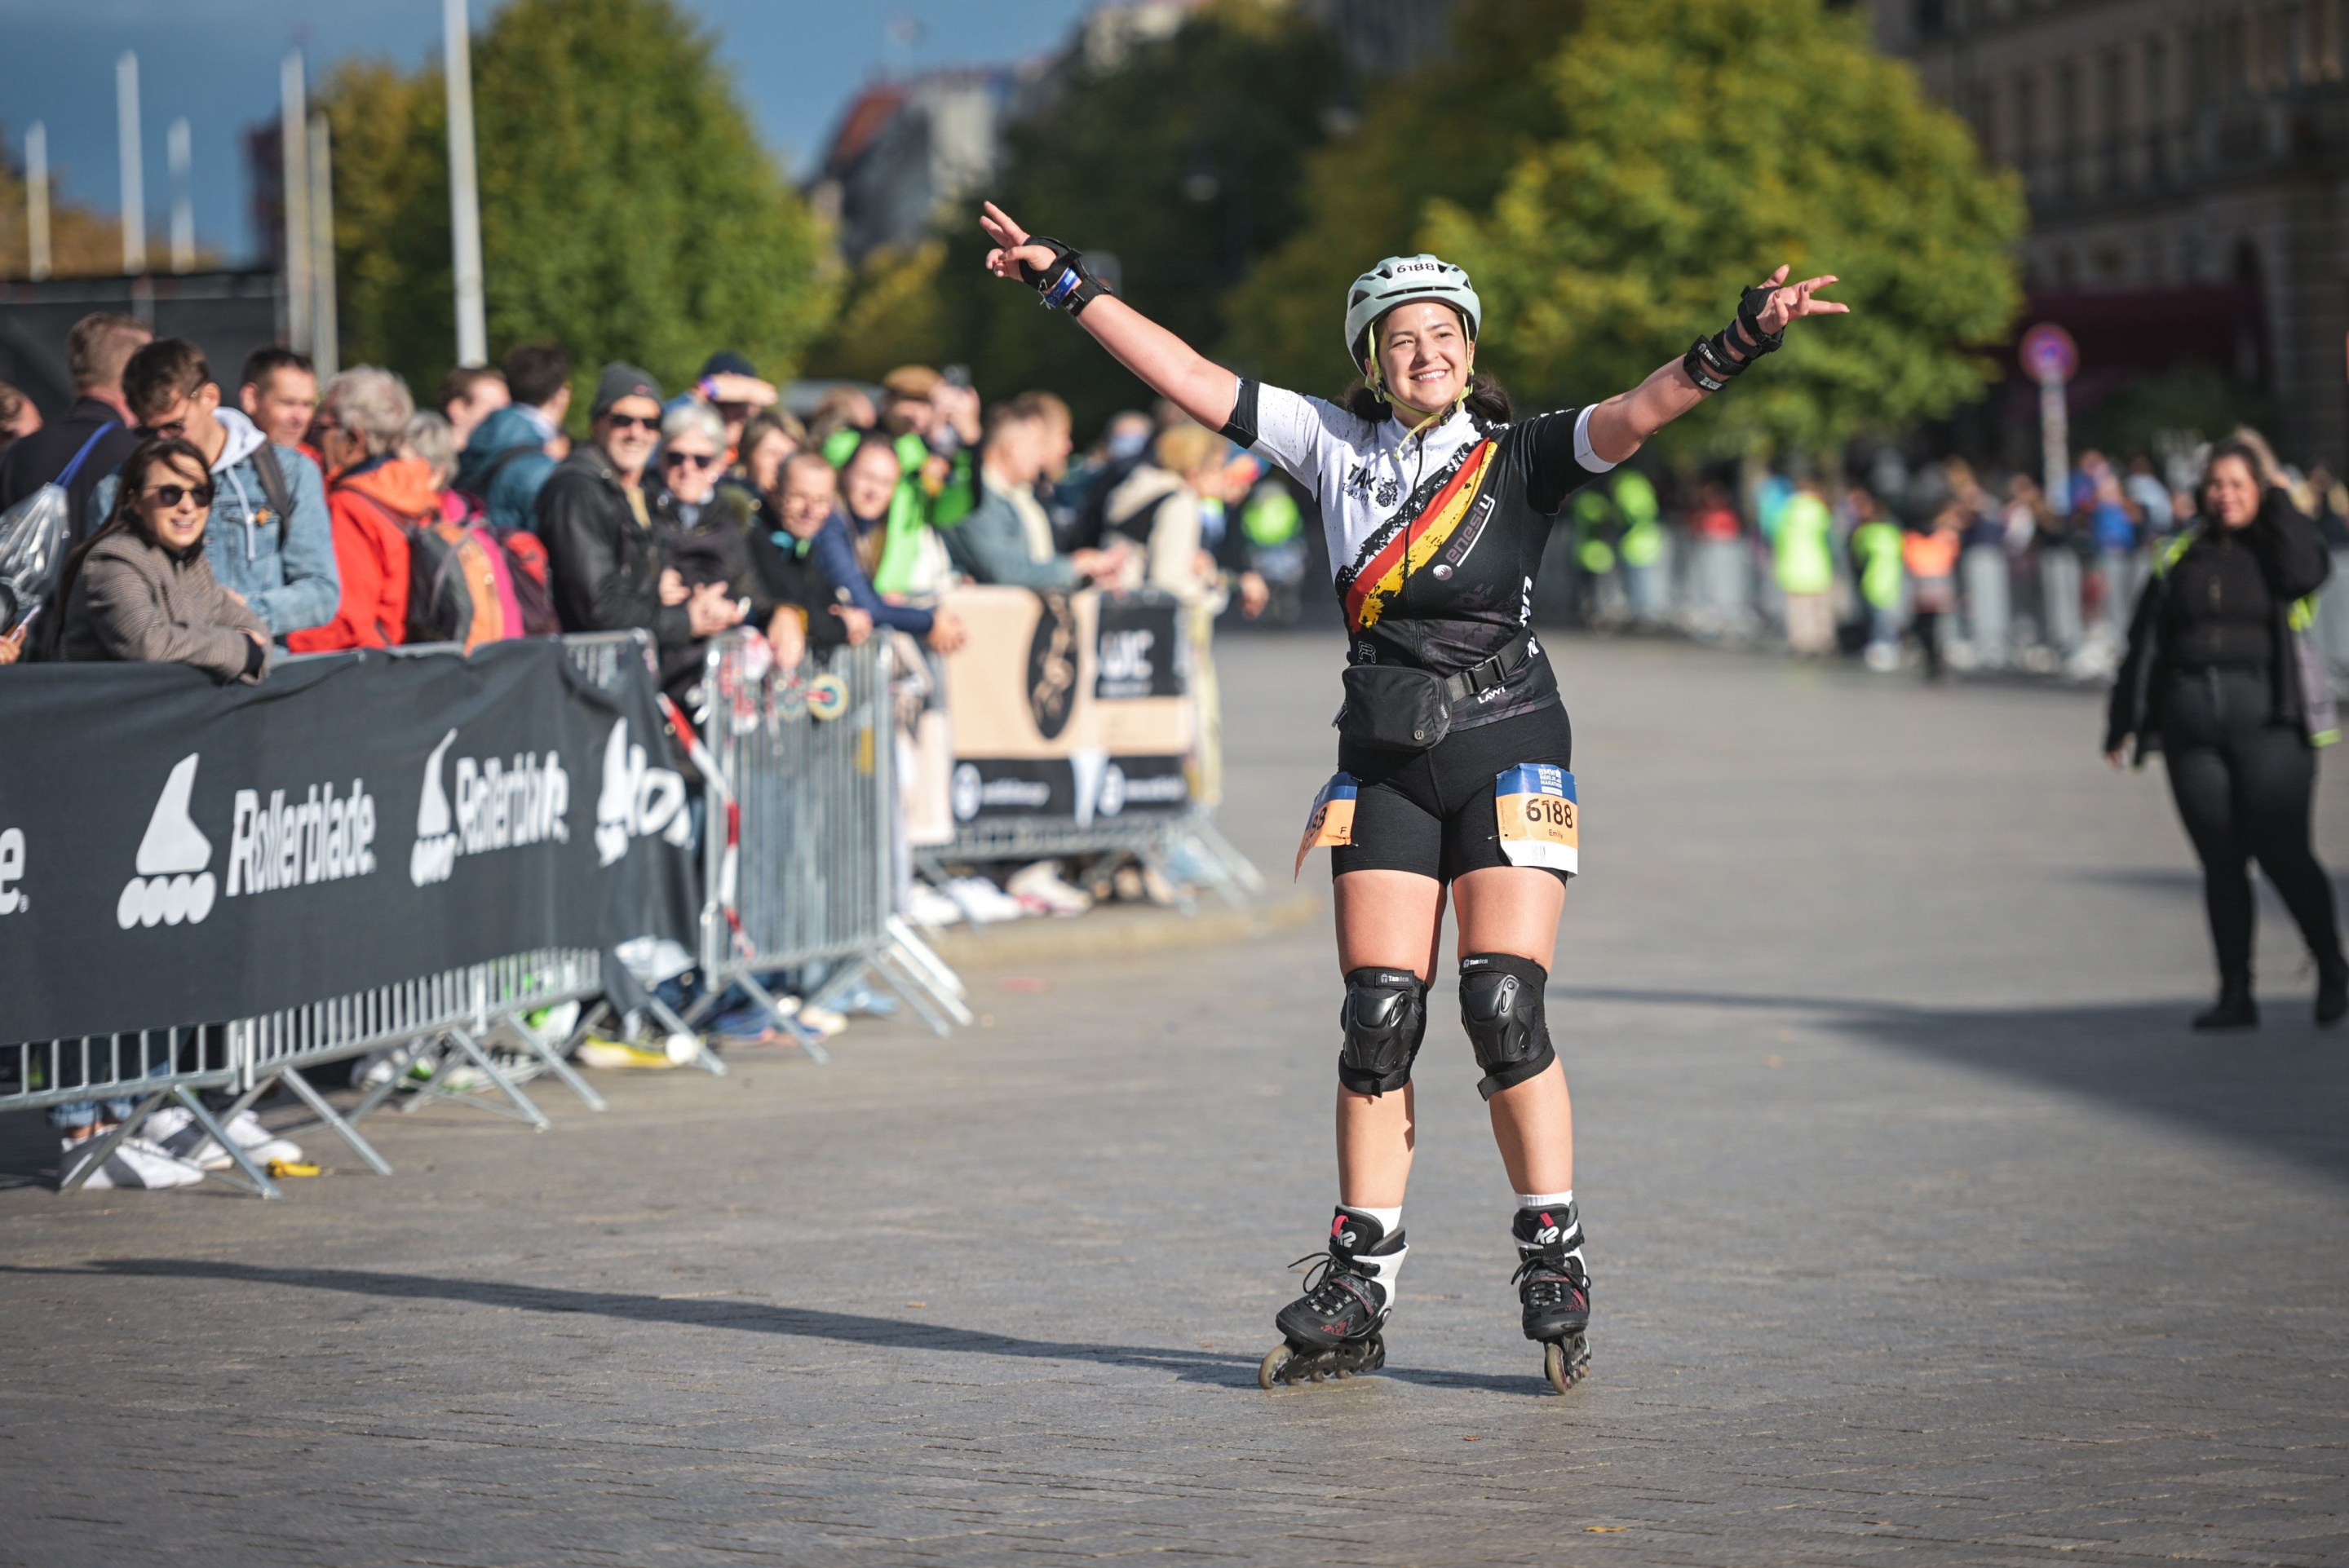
[[271, 541]]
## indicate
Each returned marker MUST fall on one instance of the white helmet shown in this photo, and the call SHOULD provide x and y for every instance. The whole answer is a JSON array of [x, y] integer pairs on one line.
[[1399, 280]]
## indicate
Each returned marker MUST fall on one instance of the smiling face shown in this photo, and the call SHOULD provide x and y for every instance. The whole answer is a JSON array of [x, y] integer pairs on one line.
[[1424, 356], [2233, 492], [808, 491], [869, 481], [690, 462], [175, 502]]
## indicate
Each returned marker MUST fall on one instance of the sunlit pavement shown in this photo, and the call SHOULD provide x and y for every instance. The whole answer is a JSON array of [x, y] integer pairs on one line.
[[1922, 1228]]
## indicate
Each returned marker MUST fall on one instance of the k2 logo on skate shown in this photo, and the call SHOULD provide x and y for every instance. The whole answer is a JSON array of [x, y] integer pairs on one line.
[[636, 800], [501, 805], [325, 837]]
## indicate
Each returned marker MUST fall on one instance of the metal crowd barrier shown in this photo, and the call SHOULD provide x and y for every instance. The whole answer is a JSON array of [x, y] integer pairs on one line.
[[799, 847]]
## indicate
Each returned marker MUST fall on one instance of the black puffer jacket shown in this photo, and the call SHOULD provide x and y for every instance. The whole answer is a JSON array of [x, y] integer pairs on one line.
[[605, 566], [2293, 557]]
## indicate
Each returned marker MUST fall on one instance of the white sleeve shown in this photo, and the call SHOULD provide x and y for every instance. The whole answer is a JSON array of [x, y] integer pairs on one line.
[[1582, 452], [1293, 431]]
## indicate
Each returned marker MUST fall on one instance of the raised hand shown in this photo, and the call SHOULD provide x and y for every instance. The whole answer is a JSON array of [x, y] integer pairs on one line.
[[1011, 246], [1792, 302]]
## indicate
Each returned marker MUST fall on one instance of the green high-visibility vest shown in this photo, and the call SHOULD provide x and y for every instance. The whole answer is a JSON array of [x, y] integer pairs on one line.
[[1643, 533], [1876, 549], [1271, 517]]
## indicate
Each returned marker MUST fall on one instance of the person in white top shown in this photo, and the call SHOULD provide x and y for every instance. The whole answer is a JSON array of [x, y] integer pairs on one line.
[[1454, 745]]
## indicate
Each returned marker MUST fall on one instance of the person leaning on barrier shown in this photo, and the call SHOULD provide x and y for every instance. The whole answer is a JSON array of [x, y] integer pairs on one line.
[[1008, 538], [702, 531], [270, 540], [810, 617], [896, 545], [376, 497], [141, 590], [603, 561]]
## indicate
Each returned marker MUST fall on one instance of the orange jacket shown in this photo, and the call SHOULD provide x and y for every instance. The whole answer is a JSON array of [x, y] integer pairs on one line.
[[372, 509]]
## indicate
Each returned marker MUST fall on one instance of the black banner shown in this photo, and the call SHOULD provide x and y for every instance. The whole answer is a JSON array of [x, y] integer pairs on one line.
[[175, 851]]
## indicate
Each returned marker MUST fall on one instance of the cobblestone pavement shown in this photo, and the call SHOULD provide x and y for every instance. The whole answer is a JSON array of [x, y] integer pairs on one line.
[[1923, 1230]]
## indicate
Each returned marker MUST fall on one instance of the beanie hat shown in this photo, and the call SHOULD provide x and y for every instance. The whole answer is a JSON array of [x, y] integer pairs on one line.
[[619, 381]]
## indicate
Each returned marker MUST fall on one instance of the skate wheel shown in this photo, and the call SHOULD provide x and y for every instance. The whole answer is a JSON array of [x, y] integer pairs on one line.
[[1269, 1371], [1565, 1362]]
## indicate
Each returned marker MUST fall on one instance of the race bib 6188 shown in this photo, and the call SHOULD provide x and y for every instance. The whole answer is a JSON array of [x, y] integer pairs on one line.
[[1540, 825]]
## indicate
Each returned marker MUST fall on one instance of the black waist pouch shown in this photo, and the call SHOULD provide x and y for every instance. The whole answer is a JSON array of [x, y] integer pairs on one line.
[[1398, 709]]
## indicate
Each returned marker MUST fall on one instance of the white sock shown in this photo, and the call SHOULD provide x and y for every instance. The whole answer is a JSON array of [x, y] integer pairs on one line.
[[1544, 1200]]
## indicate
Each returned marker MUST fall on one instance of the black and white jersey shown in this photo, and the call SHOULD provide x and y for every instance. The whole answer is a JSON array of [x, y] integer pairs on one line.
[[1434, 540]]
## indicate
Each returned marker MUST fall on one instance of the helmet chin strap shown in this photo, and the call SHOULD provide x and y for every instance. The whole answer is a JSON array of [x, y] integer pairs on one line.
[[1378, 385]]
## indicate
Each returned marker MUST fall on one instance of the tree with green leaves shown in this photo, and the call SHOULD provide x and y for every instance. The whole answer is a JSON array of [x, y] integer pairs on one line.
[[1183, 161], [1660, 156], [628, 210]]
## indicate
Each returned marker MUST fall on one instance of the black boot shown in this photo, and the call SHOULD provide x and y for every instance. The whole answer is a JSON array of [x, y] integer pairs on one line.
[[2234, 1009], [2331, 990]]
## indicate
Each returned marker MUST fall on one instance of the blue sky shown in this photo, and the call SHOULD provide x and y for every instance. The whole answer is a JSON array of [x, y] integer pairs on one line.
[[215, 61]]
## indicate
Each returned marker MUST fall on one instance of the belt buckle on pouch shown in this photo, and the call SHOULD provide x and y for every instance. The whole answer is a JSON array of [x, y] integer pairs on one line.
[[1332, 820], [1540, 822]]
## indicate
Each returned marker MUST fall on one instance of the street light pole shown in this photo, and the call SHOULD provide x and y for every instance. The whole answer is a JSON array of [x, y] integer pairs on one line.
[[134, 167], [293, 180], [183, 201], [37, 199], [325, 353], [464, 195]]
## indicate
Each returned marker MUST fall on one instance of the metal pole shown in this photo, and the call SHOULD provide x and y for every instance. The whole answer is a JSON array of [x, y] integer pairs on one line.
[[37, 199], [293, 135], [324, 332], [184, 198], [464, 195], [134, 167], [2055, 443]]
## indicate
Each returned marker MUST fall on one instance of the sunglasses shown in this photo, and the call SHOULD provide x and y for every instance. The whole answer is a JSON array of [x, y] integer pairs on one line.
[[172, 495], [698, 459], [635, 421]]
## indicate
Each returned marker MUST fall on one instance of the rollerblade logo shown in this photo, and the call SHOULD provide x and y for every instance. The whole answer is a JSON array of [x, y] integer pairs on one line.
[[175, 880], [501, 805], [638, 801], [12, 870], [325, 837]]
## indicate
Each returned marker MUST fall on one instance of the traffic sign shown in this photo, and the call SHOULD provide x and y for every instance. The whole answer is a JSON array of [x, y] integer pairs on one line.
[[2048, 353]]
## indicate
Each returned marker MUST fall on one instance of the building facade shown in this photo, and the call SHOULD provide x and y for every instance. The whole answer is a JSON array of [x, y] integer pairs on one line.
[[2187, 168]]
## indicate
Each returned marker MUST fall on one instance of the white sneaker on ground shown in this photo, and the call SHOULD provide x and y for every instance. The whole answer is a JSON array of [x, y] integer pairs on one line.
[[1043, 883], [925, 905], [183, 1138], [134, 1163], [982, 901]]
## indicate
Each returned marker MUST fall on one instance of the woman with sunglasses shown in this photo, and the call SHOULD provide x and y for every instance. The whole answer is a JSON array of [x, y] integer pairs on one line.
[[1454, 743], [702, 532], [139, 588]]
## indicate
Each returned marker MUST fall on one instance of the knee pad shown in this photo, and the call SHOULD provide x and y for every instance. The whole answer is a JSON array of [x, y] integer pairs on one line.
[[1384, 1017], [1501, 1008]]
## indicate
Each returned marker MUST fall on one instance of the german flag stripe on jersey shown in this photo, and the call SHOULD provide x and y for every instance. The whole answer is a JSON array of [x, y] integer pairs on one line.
[[1381, 577]]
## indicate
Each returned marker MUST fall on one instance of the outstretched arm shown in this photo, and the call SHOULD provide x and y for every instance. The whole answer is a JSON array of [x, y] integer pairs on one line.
[[1622, 424], [1168, 366]]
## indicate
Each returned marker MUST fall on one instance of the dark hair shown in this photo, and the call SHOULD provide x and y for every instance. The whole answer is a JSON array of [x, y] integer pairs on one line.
[[166, 369], [264, 363], [1487, 399], [457, 387], [2243, 453], [535, 372], [100, 344], [122, 517]]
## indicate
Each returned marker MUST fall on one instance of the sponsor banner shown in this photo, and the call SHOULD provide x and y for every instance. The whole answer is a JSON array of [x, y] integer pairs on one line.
[[1070, 706], [176, 853]]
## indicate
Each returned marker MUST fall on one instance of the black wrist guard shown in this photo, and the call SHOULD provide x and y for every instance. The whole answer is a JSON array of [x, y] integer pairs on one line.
[[1708, 365], [1750, 340], [1067, 283]]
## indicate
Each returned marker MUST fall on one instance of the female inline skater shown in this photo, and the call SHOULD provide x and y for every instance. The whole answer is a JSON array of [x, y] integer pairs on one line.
[[1454, 745], [2214, 681]]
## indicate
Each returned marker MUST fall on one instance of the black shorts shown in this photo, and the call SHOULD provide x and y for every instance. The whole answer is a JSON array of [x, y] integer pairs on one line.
[[1431, 812]]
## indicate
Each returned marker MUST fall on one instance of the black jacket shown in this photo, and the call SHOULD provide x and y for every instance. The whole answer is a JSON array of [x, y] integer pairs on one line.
[[41, 456], [790, 577], [2292, 556], [715, 547], [602, 565]]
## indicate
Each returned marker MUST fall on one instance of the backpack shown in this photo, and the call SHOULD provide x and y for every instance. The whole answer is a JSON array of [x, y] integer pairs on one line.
[[275, 487], [466, 587]]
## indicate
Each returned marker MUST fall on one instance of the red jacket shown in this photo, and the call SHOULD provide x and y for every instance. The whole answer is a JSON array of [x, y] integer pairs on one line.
[[372, 507]]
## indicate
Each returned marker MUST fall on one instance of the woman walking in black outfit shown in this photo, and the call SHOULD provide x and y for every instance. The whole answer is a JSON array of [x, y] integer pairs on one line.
[[2214, 681]]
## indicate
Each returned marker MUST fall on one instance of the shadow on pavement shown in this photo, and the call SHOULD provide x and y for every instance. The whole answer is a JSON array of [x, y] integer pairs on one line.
[[755, 1317], [2282, 1090]]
